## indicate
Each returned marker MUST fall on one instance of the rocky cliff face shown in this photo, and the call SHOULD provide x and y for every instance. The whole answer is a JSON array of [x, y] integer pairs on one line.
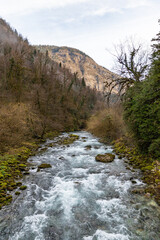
[[95, 75]]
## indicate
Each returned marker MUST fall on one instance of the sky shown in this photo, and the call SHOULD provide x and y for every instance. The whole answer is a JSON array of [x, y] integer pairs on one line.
[[92, 26]]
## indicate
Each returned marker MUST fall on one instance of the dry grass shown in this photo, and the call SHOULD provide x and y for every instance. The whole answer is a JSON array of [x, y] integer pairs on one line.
[[107, 124], [18, 123]]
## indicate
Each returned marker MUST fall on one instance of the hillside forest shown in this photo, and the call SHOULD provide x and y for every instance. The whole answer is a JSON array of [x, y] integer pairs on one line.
[[37, 95]]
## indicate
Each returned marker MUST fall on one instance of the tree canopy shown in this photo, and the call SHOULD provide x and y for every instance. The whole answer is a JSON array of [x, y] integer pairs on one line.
[[142, 106]]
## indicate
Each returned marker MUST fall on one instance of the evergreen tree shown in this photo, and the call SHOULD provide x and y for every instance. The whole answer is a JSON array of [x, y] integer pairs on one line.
[[142, 106]]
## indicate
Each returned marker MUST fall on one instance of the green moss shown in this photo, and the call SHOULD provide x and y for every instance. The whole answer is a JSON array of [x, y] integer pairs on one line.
[[147, 168], [157, 180], [17, 193], [22, 166], [18, 183], [23, 187], [44, 165], [69, 140], [3, 185], [12, 165]]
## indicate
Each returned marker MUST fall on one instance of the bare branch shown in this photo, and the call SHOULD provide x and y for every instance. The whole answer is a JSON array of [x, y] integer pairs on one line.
[[132, 63]]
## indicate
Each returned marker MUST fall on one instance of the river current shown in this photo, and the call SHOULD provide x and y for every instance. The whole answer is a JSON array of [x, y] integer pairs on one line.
[[79, 198]]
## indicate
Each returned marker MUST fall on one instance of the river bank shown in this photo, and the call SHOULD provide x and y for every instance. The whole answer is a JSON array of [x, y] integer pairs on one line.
[[14, 165], [149, 167]]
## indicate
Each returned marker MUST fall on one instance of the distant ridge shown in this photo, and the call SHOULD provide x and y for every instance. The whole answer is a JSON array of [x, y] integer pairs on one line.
[[94, 75]]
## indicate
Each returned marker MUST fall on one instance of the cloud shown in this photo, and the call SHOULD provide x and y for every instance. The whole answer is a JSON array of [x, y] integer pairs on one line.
[[102, 11], [97, 8], [138, 3], [22, 7], [90, 25]]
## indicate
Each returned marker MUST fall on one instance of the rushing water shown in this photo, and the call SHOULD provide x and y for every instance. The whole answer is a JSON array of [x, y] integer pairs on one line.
[[80, 199]]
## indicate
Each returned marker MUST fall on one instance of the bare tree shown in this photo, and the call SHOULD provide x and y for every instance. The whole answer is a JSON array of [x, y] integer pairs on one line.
[[132, 63]]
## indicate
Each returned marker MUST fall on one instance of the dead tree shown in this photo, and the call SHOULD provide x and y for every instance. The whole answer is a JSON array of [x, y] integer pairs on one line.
[[131, 65]]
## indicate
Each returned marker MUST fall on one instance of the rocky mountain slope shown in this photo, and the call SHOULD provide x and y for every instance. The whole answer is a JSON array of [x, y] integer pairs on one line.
[[95, 75]]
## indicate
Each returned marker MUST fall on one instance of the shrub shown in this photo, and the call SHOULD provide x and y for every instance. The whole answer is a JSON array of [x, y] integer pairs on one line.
[[107, 124]]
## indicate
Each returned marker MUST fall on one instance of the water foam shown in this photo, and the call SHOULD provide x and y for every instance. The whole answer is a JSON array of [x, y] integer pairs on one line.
[[102, 235]]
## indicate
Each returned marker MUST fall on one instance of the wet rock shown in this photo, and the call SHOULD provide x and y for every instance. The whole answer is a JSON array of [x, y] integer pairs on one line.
[[22, 167], [44, 165], [88, 147], [23, 187], [77, 182], [108, 157], [133, 182], [128, 168], [96, 147], [18, 184], [17, 193], [26, 173]]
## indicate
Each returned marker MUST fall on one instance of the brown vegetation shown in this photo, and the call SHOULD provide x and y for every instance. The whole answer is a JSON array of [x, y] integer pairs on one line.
[[107, 124]]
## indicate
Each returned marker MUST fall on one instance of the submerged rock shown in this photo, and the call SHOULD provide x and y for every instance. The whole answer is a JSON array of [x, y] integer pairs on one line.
[[108, 157]]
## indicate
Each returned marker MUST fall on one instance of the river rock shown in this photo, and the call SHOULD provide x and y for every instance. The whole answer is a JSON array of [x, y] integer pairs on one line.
[[44, 165], [88, 147], [108, 157]]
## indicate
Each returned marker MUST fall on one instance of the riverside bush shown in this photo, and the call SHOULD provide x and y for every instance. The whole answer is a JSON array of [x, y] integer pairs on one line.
[[107, 124]]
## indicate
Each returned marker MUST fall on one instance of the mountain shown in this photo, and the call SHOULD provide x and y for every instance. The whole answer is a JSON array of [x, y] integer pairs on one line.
[[94, 75]]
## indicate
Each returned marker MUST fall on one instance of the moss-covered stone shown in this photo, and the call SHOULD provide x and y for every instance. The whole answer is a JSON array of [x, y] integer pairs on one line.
[[17, 193], [106, 158], [23, 187], [44, 165], [18, 183], [69, 140]]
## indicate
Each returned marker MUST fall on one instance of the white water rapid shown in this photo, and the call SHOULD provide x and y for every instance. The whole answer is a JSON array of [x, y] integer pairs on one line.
[[80, 199]]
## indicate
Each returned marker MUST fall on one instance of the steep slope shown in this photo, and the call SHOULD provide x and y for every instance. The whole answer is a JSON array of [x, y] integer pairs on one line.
[[95, 75], [7, 34]]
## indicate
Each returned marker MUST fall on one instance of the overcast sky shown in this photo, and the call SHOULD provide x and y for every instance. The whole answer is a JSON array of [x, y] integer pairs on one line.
[[91, 26]]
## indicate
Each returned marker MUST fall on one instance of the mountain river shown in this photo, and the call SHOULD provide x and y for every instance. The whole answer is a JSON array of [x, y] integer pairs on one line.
[[79, 198]]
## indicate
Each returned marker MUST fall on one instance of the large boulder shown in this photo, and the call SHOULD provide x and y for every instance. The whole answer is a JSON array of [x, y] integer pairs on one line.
[[108, 157]]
